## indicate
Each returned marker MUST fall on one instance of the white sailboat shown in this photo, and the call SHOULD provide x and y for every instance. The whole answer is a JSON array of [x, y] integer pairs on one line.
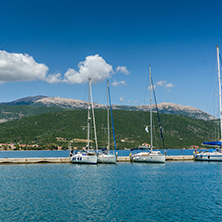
[[213, 154], [148, 155], [87, 156], [105, 156]]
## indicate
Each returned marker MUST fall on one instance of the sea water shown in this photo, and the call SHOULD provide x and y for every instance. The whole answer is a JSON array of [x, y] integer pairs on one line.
[[65, 153], [174, 191]]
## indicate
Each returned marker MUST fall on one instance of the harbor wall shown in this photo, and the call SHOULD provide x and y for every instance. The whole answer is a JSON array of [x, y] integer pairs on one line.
[[67, 159]]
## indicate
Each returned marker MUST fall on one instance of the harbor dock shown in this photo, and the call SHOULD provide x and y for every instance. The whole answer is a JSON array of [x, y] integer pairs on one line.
[[67, 159], [35, 160]]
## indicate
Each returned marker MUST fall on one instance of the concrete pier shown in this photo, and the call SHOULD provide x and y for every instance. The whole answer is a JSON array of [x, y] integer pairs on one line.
[[67, 159], [35, 160], [123, 159], [180, 158]]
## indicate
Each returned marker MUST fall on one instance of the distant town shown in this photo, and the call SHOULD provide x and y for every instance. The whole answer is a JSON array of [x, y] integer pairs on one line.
[[17, 146]]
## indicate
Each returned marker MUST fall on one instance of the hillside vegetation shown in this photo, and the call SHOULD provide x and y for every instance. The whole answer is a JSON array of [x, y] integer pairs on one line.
[[46, 128], [10, 112]]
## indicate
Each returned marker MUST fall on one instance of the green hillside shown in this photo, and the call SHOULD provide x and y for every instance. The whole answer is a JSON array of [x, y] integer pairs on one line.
[[9, 112], [44, 129]]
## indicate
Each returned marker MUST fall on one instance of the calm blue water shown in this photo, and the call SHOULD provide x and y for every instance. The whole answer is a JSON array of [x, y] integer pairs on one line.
[[65, 153], [175, 191]]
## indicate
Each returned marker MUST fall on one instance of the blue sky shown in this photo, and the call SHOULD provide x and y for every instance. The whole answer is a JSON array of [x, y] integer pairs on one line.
[[49, 48]]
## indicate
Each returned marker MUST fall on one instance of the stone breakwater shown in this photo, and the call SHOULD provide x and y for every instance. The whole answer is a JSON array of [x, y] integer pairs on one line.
[[67, 159]]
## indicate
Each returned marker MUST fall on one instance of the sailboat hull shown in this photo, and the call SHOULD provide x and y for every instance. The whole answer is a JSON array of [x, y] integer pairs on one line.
[[84, 158], [106, 158], [147, 157], [207, 156]]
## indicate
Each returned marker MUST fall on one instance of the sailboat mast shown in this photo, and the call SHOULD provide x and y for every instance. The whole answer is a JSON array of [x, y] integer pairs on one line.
[[108, 130], [151, 118], [88, 119], [219, 80], [111, 114], [94, 121]]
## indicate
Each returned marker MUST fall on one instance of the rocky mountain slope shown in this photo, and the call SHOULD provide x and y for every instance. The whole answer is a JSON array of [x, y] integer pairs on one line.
[[166, 108], [172, 108], [57, 102]]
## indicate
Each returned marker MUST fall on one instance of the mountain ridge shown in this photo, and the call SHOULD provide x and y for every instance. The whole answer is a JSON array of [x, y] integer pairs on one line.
[[58, 102], [165, 108], [24, 101]]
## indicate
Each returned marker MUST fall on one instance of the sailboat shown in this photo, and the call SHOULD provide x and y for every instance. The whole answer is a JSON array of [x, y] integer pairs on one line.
[[105, 156], [87, 156], [148, 155], [216, 153]]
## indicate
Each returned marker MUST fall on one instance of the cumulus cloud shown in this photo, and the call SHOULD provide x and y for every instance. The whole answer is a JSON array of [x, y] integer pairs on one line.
[[20, 67], [122, 69], [54, 78], [115, 83], [94, 67]]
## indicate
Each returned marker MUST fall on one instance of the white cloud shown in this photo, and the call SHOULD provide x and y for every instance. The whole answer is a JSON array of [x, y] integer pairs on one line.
[[94, 67], [161, 83], [54, 78], [169, 85], [121, 99], [165, 84], [122, 69], [115, 83], [20, 67]]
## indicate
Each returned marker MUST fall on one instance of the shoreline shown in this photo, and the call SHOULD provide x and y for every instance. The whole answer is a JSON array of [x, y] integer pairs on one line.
[[110, 150]]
